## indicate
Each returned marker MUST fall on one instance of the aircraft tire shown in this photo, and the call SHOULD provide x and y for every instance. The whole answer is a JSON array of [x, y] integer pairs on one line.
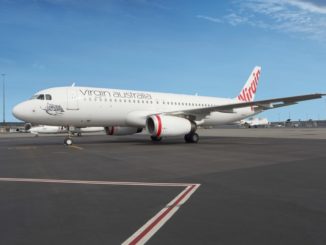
[[68, 141], [156, 139], [191, 138]]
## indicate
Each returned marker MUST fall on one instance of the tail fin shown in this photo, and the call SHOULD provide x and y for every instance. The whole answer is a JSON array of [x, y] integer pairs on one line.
[[250, 88]]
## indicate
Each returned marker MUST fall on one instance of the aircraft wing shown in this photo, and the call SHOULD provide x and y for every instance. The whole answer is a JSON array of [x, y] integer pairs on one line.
[[258, 106]]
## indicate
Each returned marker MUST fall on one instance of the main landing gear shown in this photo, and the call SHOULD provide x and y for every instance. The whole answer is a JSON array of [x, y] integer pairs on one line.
[[156, 139], [191, 138]]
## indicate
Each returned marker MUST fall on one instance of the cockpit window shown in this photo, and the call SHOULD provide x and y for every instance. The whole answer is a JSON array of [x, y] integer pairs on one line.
[[40, 97]]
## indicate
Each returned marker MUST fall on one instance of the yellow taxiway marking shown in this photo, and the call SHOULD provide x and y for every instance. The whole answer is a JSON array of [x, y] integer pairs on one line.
[[76, 147]]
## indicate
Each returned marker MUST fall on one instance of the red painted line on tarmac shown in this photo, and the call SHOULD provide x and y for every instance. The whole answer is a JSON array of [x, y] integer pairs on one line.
[[158, 219]]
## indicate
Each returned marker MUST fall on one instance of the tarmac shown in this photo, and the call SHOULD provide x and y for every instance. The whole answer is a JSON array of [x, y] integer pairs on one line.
[[236, 186]]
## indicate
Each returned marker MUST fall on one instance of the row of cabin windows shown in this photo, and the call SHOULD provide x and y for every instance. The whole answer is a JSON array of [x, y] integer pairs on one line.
[[147, 102]]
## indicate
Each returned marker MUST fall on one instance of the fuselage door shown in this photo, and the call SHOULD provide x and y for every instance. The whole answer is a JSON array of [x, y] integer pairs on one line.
[[72, 99]]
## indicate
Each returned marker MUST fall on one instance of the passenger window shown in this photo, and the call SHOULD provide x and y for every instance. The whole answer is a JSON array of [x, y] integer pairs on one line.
[[48, 97]]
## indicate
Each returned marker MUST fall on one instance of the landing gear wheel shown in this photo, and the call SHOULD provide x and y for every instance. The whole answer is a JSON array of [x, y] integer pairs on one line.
[[79, 134], [68, 141], [156, 139], [192, 138]]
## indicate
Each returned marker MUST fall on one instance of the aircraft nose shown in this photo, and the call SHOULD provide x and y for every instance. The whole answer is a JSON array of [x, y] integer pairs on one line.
[[18, 111]]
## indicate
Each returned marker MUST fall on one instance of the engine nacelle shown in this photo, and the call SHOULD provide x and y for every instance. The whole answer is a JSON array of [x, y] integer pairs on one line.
[[27, 126], [116, 130], [160, 125]]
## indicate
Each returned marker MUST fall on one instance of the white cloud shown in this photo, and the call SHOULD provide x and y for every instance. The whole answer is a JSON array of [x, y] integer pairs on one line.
[[308, 6], [235, 19], [305, 18], [209, 18]]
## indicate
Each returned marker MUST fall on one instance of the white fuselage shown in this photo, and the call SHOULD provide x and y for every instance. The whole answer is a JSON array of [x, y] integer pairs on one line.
[[85, 107]]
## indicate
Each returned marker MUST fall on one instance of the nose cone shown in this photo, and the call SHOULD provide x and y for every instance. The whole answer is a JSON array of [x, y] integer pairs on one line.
[[19, 111]]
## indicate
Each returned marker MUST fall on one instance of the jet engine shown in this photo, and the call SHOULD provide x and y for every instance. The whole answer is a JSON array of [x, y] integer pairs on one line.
[[116, 130], [27, 126], [161, 125]]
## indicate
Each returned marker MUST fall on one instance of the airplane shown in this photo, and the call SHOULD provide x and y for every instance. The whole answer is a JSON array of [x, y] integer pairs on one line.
[[126, 112], [47, 129], [254, 122]]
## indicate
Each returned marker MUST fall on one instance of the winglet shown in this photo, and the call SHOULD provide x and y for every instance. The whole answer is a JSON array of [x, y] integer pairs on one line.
[[249, 90]]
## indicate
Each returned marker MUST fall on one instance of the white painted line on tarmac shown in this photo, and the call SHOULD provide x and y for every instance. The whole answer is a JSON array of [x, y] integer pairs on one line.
[[94, 182], [153, 225], [143, 234]]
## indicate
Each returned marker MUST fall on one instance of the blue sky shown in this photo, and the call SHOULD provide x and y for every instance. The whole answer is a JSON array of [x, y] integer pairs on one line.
[[205, 47]]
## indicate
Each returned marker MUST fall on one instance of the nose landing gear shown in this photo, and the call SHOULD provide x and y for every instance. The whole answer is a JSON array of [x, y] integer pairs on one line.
[[68, 139]]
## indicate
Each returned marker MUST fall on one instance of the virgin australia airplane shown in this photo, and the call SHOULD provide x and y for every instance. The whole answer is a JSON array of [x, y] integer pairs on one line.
[[125, 112]]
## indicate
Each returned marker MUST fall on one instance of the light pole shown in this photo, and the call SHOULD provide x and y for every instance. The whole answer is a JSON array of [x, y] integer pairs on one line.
[[4, 98]]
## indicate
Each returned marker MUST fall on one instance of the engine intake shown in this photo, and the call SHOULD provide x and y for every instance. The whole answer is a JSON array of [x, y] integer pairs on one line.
[[27, 126]]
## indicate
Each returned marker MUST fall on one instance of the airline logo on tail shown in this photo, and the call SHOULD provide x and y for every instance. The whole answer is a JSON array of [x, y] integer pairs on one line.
[[249, 90]]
